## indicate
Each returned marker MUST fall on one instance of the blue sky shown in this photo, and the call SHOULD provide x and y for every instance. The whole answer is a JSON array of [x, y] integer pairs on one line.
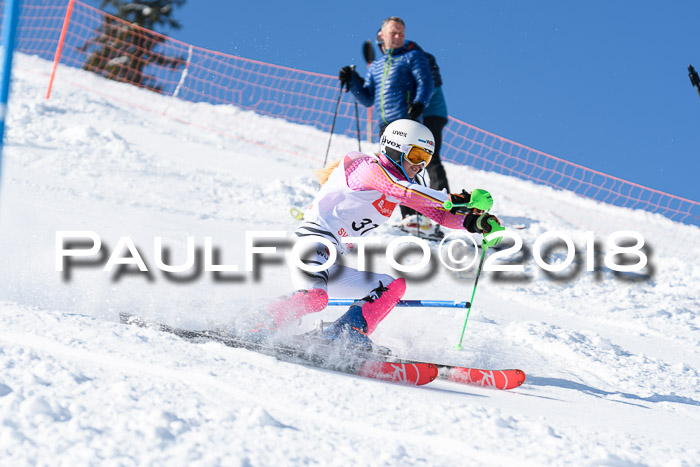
[[600, 83]]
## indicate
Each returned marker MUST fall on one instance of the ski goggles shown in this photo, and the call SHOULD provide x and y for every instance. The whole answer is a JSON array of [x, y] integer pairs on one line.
[[416, 155]]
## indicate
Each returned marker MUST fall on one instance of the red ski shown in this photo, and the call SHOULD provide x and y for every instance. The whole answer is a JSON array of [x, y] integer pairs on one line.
[[409, 373], [413, 374], [497, 379]]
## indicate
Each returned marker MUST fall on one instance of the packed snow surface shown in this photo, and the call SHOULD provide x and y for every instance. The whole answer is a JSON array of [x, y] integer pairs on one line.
[[613, 359]]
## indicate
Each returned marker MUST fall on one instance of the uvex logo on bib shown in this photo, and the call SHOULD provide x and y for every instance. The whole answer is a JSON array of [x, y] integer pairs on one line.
[[384, 206]]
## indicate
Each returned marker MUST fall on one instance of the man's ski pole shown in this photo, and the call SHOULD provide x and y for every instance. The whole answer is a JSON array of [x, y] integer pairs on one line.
[[335, 115], [357, 119], [476, 281]]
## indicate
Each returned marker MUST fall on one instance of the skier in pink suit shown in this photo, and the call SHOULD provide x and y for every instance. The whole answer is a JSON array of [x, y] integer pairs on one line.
[[358, 194]]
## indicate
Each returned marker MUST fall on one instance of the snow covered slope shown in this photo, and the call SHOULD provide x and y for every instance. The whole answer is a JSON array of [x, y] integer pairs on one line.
[[613, 360]]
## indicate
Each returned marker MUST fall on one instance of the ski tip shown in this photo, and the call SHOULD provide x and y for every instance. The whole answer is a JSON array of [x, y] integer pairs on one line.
[[434, 372], [522, 375]]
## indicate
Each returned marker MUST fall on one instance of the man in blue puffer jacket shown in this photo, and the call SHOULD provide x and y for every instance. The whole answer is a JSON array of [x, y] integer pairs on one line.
[[391, 81], [434, 117], [398, 83]]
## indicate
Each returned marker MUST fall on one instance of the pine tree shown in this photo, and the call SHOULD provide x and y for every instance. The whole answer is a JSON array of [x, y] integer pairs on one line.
[[121, 50], [147, 14]]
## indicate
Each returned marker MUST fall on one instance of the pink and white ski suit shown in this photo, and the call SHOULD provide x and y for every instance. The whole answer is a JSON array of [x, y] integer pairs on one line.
[[359, 196]]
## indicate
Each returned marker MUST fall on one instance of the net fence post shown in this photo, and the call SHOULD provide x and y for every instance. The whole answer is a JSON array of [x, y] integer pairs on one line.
[[59, 47]]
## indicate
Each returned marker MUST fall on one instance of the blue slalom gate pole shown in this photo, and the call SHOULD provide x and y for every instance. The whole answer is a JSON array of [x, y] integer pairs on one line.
[[410, 303], [9, 29]]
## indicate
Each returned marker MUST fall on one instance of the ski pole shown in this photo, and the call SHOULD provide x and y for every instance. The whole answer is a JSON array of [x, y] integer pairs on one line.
[[476, 281], [357, 119], [449, 205], [479, 199], [406, 303], [335, 115]]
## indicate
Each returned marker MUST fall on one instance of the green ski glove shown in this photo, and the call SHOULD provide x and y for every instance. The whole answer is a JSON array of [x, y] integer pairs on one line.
[[481, 200], [488, 223], [465, 201]]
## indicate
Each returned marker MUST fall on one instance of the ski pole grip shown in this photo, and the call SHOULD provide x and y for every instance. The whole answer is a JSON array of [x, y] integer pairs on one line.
[[449, 205]]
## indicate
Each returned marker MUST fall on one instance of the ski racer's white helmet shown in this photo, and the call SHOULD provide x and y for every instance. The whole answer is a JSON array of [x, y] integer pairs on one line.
[[407, 139]]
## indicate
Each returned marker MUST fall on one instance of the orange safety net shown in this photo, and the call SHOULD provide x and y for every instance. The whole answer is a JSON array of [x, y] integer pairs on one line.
[[123, 52]]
